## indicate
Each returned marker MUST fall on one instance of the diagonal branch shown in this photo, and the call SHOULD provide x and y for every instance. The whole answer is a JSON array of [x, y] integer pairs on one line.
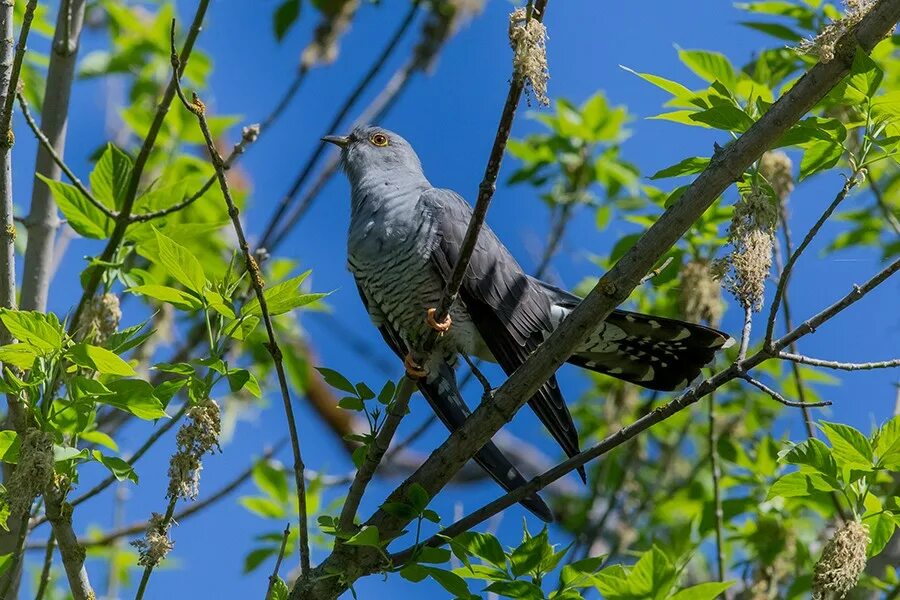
[[199, 110], [612, 289], [737, 370], [842, 366]]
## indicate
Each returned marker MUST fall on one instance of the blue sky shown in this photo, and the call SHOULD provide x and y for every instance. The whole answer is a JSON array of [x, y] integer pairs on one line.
[[450, 117]]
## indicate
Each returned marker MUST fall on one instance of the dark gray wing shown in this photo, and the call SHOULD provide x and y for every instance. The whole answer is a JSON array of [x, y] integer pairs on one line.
[[442, 394], [510, 312]]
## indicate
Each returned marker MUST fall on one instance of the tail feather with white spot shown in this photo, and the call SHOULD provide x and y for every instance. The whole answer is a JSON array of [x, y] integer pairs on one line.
[[652, 352]]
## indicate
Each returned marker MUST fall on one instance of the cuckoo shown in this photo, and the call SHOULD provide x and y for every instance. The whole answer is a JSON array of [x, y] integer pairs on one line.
[[404, 239]]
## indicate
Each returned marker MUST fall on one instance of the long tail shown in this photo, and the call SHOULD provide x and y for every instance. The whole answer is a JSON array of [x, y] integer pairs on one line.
[[443, 395], [653, 352]]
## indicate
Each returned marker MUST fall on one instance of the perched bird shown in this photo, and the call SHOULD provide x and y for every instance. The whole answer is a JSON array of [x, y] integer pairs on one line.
[[405, 237]]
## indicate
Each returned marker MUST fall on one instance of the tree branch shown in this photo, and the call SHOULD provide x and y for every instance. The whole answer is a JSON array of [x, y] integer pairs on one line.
[[199, 110], [274, 576], [70, 550], [792, 259], [776, 396], [42, 221], [832, 364], [612, 289]]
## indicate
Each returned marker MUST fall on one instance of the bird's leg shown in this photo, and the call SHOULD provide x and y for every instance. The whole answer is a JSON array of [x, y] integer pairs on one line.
[[413, 369], [441, 327]]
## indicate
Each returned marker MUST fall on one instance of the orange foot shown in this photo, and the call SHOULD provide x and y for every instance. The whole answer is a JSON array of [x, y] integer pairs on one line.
[[441, 327], [413, 369]]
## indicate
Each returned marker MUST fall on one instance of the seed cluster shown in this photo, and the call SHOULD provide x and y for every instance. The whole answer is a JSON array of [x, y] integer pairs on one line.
[[197, 437], [155, 544], [528, 38], [842, 562], [823, 45]]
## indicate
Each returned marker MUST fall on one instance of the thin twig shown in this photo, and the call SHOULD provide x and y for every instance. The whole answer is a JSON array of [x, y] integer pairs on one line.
[[351, 99], [274, 576], [199, 110], [792, 259], [884, 207], [9, 97], [376, 452], [745, 332], [49, 149], [717, 495], [776, 396], [842, 366], [657, 270], [248, 136], [45, 570]]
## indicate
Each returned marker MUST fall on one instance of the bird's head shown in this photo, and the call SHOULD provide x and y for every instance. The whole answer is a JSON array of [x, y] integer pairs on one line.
[[375, 152]]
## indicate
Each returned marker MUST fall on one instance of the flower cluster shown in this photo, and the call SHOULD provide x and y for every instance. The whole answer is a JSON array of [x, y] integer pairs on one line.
[[102, 317], [528, 38], [34, 471], [823, 45], [156, 543], [700, 295], [198, 436], [752, 239], [777, 168], [842, 562]]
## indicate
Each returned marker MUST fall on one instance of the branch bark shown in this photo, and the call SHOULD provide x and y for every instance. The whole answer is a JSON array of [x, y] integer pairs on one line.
[[42, 221], [612, 289]]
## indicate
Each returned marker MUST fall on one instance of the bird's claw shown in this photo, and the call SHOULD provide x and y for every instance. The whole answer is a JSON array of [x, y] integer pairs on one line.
[[441, 327], [413, 369]]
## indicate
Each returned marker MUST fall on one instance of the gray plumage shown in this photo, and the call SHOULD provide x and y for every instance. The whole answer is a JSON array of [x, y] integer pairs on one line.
[[405, 237]]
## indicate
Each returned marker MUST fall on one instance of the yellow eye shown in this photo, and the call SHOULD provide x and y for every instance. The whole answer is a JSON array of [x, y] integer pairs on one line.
[[379, 139]]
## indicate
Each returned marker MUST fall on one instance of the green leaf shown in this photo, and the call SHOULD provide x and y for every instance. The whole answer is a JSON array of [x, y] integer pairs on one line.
[[86, 219], [336, 380], [239, 379], [849, 447], [483, 545], [136, 397], [42, 331], [797, 484], [99, 359], [285, 16], [283, 297], [353, 403], [279, 589], [256, 557], [530, 553], [387, 392], [813, 453], [451, 582], [703, 591], [263, 507], [775, 30], [367, 536], [819, 156], [18, 355], [887, 444], [881, 529], [580, 573], [271, 480], [99, 438], [523, 590], [180, 263], [5, 562], [688, 166], [865, 76], [9, 446], [218, 302], [709, 66], [109, 179], [418, 497], [725, 117], [653, 575], [118, 467], [673, 87]]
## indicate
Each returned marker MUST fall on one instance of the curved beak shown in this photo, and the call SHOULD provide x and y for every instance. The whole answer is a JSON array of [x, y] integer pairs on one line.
[[337, 140]]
